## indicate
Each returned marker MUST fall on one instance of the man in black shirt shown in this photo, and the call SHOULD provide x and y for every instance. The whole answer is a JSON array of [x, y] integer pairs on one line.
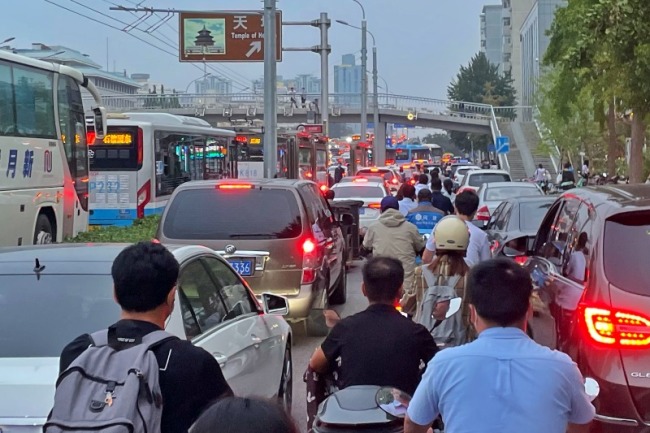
[[144, 277], [377, 346], [438, 199]]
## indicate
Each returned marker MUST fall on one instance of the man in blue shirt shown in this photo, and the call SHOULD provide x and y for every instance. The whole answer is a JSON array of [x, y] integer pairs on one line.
[[503, 381], [425, 216]]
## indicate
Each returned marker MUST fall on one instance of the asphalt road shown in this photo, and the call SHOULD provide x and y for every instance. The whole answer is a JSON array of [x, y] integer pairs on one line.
[[304, 346]]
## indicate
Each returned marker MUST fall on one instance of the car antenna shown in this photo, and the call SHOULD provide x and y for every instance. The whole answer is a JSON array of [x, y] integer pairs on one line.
[[38, 267]]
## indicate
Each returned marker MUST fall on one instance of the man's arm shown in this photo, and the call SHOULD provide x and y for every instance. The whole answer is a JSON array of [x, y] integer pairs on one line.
[[429, 250], [318, 361], [411, 427], [485, 253], [329, 350]]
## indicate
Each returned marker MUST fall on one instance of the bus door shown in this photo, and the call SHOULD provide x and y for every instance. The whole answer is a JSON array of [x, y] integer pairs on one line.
[[306, 156], [114, 164]]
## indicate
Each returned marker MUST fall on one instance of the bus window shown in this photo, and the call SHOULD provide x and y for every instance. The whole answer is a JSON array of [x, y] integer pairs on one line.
[[7, 120], [182, 158], [34, 102]]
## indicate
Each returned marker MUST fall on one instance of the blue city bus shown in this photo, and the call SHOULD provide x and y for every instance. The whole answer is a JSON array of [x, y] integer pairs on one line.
[[406, 154]]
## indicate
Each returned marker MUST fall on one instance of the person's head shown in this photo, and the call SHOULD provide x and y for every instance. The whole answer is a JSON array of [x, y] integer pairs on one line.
[[244, 415], [436, 184], [567, 165], [499, 291], [144, 279], [389, 202], [586, 162], [382, 279], [435, 170], [291, 88], [582, 241], [540, 166], [466, 204], [409, 191], [423, 179], [449, 185], [424, 195]]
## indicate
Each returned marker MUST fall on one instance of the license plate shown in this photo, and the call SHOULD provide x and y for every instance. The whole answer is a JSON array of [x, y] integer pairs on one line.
[[362, 211], [244, 267]]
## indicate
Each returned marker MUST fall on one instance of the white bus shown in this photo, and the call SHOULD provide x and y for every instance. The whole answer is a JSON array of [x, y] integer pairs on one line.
[[43, 151], [144, 157]]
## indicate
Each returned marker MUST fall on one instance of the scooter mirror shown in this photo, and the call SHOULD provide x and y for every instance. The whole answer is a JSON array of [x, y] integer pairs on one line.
[[393, 401]]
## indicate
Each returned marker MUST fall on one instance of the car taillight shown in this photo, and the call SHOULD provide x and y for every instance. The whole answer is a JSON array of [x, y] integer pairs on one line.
[[324, 188], [235, 186], [395, 181], [483, 214], [615, 327], [521, 260], [374, 205], [309, 261], [144, 196]]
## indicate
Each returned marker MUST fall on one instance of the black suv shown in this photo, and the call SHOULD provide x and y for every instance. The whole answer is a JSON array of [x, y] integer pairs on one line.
[[279, 234]]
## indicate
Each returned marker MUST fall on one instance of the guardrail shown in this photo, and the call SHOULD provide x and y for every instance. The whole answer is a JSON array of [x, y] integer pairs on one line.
[[541, 129], [494, 127]]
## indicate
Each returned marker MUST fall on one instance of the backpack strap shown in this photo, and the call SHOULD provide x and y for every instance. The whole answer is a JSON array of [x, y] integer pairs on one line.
[[151, 340]]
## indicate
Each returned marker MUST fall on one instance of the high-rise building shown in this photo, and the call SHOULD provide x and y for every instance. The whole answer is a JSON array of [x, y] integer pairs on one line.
[[214, 85], [534, 43], [347, 80], [492, 34], [514, 15], [309, 82]]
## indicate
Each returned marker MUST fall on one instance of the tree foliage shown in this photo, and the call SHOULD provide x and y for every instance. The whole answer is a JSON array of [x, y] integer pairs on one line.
[[604, 45], [480, 82]]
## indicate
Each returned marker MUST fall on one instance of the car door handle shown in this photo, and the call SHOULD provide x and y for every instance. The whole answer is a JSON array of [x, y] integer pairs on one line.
[[221, 358], [256, 341]]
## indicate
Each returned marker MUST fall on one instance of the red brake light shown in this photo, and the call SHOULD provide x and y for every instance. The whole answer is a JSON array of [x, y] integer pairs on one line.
[[394, 180], [308, 246], [521, 260], [374, 170], [324, 188], [235, 186], [241, 139], [375, 205], [90, 137], [360, 179], [483, 214], [308, 174], [620, 328]]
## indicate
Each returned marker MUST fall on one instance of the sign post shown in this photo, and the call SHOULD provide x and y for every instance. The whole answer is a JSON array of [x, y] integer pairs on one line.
[[226, 36]]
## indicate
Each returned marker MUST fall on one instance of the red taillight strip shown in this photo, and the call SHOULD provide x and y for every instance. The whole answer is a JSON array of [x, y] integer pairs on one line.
[[235, 186], [616, 327]]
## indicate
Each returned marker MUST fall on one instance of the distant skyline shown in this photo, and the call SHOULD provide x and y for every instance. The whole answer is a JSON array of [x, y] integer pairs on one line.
[[421, 44]]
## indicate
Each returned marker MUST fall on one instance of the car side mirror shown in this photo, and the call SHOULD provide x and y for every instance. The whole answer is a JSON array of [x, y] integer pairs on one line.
[[274, 304], [512, 253], [526, 247]]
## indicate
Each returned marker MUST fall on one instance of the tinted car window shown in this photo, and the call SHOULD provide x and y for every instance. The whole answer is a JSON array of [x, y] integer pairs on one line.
[[531, 215], [359, 191], [626, 244], [501, 221], [480, 179], [235, 295], [504, 193], [40, 316], [233, 214]]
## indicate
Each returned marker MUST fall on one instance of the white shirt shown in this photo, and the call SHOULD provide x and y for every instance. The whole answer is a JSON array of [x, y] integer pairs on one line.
[[478, 249], [406, 204], [419, 187]]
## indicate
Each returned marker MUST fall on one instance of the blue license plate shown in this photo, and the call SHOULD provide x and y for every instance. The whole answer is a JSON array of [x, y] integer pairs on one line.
[[244, 267]]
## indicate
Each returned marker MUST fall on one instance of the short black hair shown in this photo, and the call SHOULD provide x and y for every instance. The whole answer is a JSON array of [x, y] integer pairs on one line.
[[436, 184], [244, 415], [383, 276], [449, 184], [423, 179], [500, 291], [424, 195], [143, 275], [408, 191], [467, 203]]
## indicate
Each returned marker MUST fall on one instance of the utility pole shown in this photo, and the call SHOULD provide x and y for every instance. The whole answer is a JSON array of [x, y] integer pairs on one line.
[[364, 88], [270, 92], [379, 147], [323, 49]]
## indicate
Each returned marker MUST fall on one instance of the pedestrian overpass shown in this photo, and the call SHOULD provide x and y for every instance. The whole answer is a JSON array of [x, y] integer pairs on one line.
[[247, 109]]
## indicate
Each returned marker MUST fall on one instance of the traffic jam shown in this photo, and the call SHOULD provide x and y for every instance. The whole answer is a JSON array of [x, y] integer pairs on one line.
[[261, 259]]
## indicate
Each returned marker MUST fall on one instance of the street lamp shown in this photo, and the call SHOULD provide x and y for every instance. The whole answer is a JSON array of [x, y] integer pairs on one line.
[[7, 40], [379, 155], [197, 79], [385, 84]]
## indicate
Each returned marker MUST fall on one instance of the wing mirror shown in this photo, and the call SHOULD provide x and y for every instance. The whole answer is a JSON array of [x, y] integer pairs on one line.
[[518, 247], [274, 304]]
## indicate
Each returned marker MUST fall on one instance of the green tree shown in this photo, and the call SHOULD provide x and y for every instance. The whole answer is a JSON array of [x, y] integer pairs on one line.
[[480, 82]]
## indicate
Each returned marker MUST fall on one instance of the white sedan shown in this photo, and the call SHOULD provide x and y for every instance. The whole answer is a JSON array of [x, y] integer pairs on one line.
[[73, 294], [491, 195], [366, 190], [474, 179]]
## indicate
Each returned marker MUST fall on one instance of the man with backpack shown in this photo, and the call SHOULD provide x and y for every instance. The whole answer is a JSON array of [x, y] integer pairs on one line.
[[134, 374]]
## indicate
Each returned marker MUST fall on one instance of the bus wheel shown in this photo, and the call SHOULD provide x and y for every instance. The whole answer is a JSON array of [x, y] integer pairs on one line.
[[43, 234]]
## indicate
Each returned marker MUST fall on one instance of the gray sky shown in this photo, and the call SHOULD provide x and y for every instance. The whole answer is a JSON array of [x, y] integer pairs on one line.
[[421, 43]]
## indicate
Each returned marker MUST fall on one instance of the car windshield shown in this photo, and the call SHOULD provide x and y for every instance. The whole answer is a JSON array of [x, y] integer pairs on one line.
[[504, 193], [626, 243], [41, 315], [531, 215], [257, 213], [478, 179], [358, 192]]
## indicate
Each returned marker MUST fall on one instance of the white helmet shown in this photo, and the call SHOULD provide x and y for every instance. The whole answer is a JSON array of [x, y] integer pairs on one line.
[[451, 233]]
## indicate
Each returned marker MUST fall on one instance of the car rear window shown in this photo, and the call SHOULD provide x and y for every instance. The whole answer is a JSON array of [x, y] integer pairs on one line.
[[626, 246], [387, 174], [480, 179], [358, 191], [531, 215], [504, 193], [40, 316], [258, 213]]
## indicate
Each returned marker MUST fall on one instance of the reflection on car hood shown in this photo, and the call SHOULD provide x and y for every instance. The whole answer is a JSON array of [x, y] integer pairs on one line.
[[27, 386]]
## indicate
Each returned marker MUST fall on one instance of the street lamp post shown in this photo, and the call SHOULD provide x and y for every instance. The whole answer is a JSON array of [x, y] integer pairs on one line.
[[7, 40], [364, 83], [197, 79]]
